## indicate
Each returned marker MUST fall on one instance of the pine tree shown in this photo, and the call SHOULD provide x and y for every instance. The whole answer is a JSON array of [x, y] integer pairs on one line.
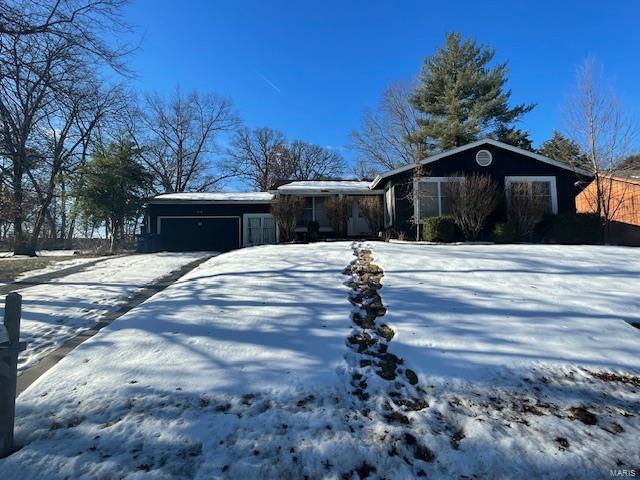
[[462, 98], [564, 150], [114, 187]]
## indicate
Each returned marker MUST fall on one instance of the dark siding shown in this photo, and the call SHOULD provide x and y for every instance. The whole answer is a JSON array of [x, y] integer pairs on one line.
[[505, 163], [200, 234], [226, 232]]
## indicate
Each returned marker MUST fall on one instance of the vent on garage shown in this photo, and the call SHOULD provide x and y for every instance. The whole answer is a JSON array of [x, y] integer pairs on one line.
[[484, 158]]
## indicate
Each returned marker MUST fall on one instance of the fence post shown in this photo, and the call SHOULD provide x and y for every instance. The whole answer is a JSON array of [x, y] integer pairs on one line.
[[9, 349]]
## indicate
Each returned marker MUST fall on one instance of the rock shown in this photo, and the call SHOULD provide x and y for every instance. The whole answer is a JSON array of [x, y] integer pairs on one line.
[[411, 376], [386, 332]]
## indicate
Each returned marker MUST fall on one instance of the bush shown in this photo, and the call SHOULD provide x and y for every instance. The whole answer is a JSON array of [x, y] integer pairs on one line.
[[338, 212], [471, 201], [313, 231], [285, 210], [504, 233], [576, 228], [439, 229], [371, 208]]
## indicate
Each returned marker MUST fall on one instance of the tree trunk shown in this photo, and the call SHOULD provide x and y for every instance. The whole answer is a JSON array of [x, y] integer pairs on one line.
[[21, 245]]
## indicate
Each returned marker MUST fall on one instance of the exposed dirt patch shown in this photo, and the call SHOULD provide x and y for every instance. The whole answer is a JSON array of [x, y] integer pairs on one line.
[[612, 377], [563, 443], [583, 415]]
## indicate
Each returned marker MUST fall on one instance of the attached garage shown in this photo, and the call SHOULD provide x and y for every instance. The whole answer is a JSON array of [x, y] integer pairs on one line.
[[209, 221], [181, 234]]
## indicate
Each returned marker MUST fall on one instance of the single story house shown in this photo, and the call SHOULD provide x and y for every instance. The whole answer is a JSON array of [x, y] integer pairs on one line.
[[621, 192], [409, 195]]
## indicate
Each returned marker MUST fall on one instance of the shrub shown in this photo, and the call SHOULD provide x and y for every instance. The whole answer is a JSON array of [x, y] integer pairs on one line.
[[285, 210], [439, 229], [387, 234], [527, 208], [575, 228], [471, 201], [313, 231], [338, 212], [504, 233], [371, 208]]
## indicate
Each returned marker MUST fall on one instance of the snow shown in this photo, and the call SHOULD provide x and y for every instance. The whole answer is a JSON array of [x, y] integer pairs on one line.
[[56, 311], [54, 267], [241, 370], [41, 253], [466, 310], [324, 185], [215, 197]]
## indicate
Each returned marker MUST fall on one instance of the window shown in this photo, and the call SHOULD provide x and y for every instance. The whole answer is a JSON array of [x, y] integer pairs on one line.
[[321, 211], [314, 209], [432, 199], [484, 158], [389, 196], [538, 190], [307, 213], [259, 229]]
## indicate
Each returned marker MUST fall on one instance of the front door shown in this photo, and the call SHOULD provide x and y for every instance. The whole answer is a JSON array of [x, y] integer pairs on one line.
[[259, 229]]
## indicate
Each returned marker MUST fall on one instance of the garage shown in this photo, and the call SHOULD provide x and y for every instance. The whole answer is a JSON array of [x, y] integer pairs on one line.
[[183, 234], [218, 221]]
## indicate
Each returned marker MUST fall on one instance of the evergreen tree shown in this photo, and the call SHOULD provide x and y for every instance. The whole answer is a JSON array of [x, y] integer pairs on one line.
[[629, 164], [513, 136], [462, 98], [114, 188], [565, 150]]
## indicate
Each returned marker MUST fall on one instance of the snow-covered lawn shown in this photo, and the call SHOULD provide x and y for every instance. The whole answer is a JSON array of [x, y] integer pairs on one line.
[[56, 311], [525, 364], [462, 311], [21, 268]]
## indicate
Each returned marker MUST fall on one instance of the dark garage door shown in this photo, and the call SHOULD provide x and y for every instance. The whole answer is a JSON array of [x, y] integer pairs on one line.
[[200, 233]]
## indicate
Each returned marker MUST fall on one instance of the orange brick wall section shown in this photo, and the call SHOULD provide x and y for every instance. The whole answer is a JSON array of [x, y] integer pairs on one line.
[[625, 199]]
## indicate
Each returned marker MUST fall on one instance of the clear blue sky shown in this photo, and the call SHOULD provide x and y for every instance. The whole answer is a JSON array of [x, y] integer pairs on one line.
[[328, 60]]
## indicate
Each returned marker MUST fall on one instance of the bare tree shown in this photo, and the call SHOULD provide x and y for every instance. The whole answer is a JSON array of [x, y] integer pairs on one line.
[[179, 136], [471, 201], [597, 123], [313, 162], [259, 156], [81, 24], [338, 212], [286, 209], [526, 207], [385, 138], [47, 113], [371, 208]]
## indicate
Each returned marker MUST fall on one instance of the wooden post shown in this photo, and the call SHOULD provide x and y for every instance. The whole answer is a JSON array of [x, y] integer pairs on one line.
[[9, 350]]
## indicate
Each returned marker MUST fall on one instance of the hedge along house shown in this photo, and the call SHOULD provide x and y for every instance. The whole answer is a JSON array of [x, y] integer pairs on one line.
[[226, 221], [414, 193]]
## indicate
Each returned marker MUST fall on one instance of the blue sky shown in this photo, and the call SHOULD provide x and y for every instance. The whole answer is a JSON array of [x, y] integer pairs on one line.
[[311, 68]]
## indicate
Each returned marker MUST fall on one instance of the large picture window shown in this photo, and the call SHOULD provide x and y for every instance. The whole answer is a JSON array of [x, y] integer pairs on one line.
[[431, 198], [315, 208], [536, 190]]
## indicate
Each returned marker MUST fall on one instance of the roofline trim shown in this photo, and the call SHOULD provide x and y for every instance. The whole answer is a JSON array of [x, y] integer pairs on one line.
[[475, 144]]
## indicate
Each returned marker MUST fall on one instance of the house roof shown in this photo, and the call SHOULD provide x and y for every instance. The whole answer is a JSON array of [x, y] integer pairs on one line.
[[213, 197], [326, 186], [485, 141]]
